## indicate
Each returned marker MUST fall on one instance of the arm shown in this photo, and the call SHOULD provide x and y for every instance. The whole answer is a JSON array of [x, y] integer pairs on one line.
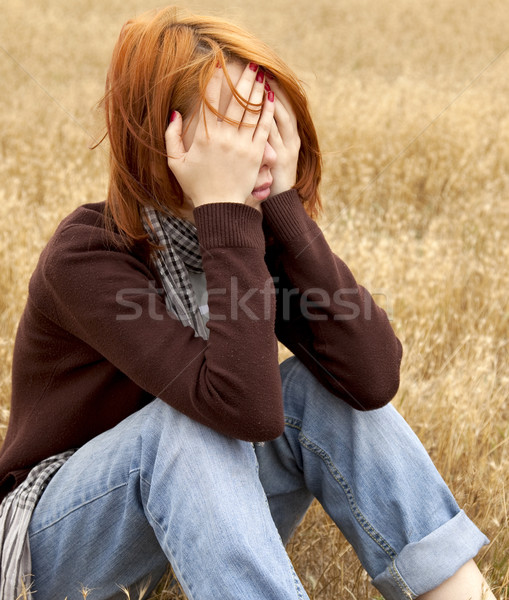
[[324, 317], [106, 297], [328, 321]]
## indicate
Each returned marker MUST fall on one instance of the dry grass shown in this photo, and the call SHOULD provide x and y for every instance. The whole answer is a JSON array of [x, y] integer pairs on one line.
[[410, 99]]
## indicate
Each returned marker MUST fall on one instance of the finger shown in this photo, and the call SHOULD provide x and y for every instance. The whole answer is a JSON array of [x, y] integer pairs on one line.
[[173, 138], [285, 121], [261, 134], [284, 113], [274, 136], [281, 96], [235, 110], [254, 109]]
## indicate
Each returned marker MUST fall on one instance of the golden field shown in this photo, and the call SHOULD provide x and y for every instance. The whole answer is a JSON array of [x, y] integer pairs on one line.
[[411, 101]]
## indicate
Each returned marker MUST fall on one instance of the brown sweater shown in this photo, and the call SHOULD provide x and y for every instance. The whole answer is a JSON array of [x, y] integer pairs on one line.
[[82, 362]]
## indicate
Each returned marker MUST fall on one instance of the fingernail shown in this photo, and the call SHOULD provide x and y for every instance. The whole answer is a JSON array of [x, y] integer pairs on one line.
[[253, 67], [267, 86], [173, 116], [259, 76], [270, 96], [269, 75]]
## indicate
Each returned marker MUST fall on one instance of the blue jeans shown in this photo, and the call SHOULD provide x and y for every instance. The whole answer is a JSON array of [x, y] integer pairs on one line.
[[160, 487]]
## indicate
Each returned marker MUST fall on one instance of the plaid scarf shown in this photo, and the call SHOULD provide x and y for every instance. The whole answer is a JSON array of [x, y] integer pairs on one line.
[[179, 254], [15, 514]]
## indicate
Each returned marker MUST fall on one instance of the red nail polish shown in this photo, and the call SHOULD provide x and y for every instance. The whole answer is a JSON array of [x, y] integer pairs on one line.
[[173, 116], [269, 75], [270, 96], [267, 86], [253, 67], [260, 76]]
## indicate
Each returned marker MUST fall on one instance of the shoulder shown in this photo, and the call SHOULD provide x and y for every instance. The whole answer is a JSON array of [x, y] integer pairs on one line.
[[88, 223], [85, 248], [88, 229], [87, 215]]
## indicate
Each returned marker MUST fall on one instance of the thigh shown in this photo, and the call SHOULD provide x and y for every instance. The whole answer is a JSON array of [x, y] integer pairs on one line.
[[89, 529]]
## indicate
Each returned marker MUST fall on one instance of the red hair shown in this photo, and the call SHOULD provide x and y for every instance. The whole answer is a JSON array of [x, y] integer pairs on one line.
[[163, 61]]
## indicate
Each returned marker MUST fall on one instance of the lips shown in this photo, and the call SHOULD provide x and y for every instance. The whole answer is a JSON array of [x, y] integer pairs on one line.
[[262, 191]]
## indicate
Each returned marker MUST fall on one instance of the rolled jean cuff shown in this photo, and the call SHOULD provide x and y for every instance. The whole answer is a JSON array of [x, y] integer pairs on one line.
[[424, 565]]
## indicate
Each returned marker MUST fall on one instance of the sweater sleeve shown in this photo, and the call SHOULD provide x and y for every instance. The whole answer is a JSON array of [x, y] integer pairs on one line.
[[107, 298], [324, 317]]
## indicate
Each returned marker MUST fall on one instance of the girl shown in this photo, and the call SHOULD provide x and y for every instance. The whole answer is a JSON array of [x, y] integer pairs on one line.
[[151, 421]]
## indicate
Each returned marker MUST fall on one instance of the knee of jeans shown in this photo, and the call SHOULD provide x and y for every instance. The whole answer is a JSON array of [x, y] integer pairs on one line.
[[152, 419], [169, 436]]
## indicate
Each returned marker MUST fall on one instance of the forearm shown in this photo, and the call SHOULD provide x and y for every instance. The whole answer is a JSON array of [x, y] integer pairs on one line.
[[241, 370]]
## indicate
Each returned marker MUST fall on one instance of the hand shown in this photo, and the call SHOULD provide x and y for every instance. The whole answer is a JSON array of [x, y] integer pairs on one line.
[[222, 160], [284, 138]]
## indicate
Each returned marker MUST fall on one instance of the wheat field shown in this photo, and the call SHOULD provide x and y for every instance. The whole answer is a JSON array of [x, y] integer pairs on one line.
[[410, 99]]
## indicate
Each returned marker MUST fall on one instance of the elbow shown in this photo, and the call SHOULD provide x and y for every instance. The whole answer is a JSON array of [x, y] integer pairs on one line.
[[258, 429], [382, 379], [370, 394], [380, 392], [258, 418], [375, 383], [266, 433]]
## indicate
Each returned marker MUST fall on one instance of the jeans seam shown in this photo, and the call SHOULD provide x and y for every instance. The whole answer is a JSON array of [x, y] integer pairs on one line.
[[296, 581], [75, 508], [400, 582], [147, 509], [361, 519], [293, 422]]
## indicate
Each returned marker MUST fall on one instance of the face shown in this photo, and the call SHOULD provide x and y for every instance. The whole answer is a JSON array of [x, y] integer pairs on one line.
[[261, 190]]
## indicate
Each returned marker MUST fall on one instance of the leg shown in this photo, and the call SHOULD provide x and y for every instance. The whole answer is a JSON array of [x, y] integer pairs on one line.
[[375, 480], [159, 487]]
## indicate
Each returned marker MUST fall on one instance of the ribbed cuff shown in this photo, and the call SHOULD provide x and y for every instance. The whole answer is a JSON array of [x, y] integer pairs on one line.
[[286, 215], [229, 224]]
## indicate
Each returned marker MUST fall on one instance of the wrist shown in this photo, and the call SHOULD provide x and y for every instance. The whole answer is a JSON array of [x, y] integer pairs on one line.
[[223, 224], [285, 215], [281, 184], [279, 189]]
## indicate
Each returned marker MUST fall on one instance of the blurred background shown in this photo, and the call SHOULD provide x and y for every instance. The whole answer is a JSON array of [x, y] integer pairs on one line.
[[410, 100]]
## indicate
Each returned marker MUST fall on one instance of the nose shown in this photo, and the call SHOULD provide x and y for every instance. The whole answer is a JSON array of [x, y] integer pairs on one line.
[[269, 156]]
